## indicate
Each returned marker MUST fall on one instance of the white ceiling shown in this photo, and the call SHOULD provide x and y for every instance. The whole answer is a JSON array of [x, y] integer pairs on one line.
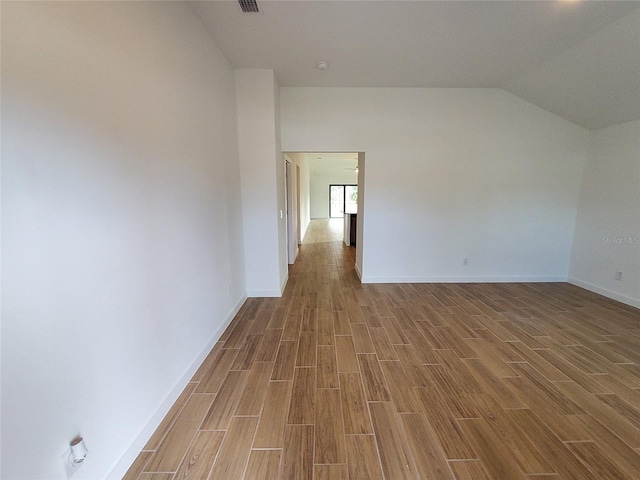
[[578, 59], [329, 163]]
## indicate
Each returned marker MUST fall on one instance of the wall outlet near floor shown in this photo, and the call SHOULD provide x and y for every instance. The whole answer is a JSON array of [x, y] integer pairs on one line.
[[465, 261], [69, 466], [619, 276]]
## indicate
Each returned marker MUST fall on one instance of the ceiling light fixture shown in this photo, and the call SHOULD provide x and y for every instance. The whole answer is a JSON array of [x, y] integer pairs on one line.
[[323, 65]]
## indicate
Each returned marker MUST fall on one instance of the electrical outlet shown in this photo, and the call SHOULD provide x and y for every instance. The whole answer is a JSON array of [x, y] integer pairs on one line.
[[69, 467], [465, 261], [619, 276]]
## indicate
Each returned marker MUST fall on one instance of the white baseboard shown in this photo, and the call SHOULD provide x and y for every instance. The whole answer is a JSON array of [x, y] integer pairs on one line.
[[479, 279], [359, 273], [283, 285], [634, 302], [147, 431], [270, 293]]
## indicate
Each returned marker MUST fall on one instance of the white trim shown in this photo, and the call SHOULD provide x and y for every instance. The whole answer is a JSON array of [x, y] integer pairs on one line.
[[304, 234], [147, 431], [359, 273], [634, 302], [487, 279], [263, 293], [283, 285], [269, 293]]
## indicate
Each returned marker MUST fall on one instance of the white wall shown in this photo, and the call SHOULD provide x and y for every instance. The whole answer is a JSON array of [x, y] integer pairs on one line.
[[360, 226], [305, 198], [281, 178], [299, 160], [319, 186], [607, 234], [263, 190], [450, 173], [121, 224]]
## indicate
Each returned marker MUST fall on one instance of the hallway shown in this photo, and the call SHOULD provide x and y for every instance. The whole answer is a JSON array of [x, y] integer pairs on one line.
[[338, 380]]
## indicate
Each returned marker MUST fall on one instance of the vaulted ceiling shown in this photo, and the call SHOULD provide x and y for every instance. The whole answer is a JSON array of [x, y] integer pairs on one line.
[[577, 59]]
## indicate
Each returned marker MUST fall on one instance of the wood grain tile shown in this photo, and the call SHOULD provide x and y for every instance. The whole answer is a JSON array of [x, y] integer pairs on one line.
[[395, 455], [174, 445], [382, 344], [524, 453], [285, 361], [263, 464], [599, 463], [292, 327], [252, 398], [303, 397], [472, 470], [199, 458], [400, 389], [235, 449], [270, 431], [138, 465], [325, 329], [361, 338], [206, 364], [346, 355], [270, 344], [424, 444], [465, 381], [156, 476], [341, 324], [213, 378], [493, 453], [327, 370], [454, 443], [226, 401], [362, 454], [354, 405], [306, 349], [329, 429], [247, 352], [375, 387], [330, 472], [554, 451], [297, 458]]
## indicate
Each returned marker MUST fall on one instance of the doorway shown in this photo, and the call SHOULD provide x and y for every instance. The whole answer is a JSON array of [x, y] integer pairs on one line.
[[342, 199], [292, 207], [308, 192]]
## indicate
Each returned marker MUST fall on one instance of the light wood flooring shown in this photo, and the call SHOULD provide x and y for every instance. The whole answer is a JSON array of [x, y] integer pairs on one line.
[[338, 380]]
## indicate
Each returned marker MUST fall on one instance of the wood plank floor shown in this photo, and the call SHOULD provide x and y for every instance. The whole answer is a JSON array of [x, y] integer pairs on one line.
[[338, 380]]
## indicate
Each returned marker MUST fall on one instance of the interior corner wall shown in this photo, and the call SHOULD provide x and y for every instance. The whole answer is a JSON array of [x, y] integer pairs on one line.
[[451, 174], [607, 233], [281, 189], [262, 179], [121, 225]]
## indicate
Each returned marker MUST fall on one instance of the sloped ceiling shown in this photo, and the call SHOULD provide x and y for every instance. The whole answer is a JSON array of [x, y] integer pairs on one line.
[[577, 59]]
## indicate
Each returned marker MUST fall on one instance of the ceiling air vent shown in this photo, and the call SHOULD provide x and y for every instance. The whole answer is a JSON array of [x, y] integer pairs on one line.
[[249, 6]]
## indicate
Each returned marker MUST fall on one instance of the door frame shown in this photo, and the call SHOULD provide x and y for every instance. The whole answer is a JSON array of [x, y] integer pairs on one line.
[[344, 195]]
